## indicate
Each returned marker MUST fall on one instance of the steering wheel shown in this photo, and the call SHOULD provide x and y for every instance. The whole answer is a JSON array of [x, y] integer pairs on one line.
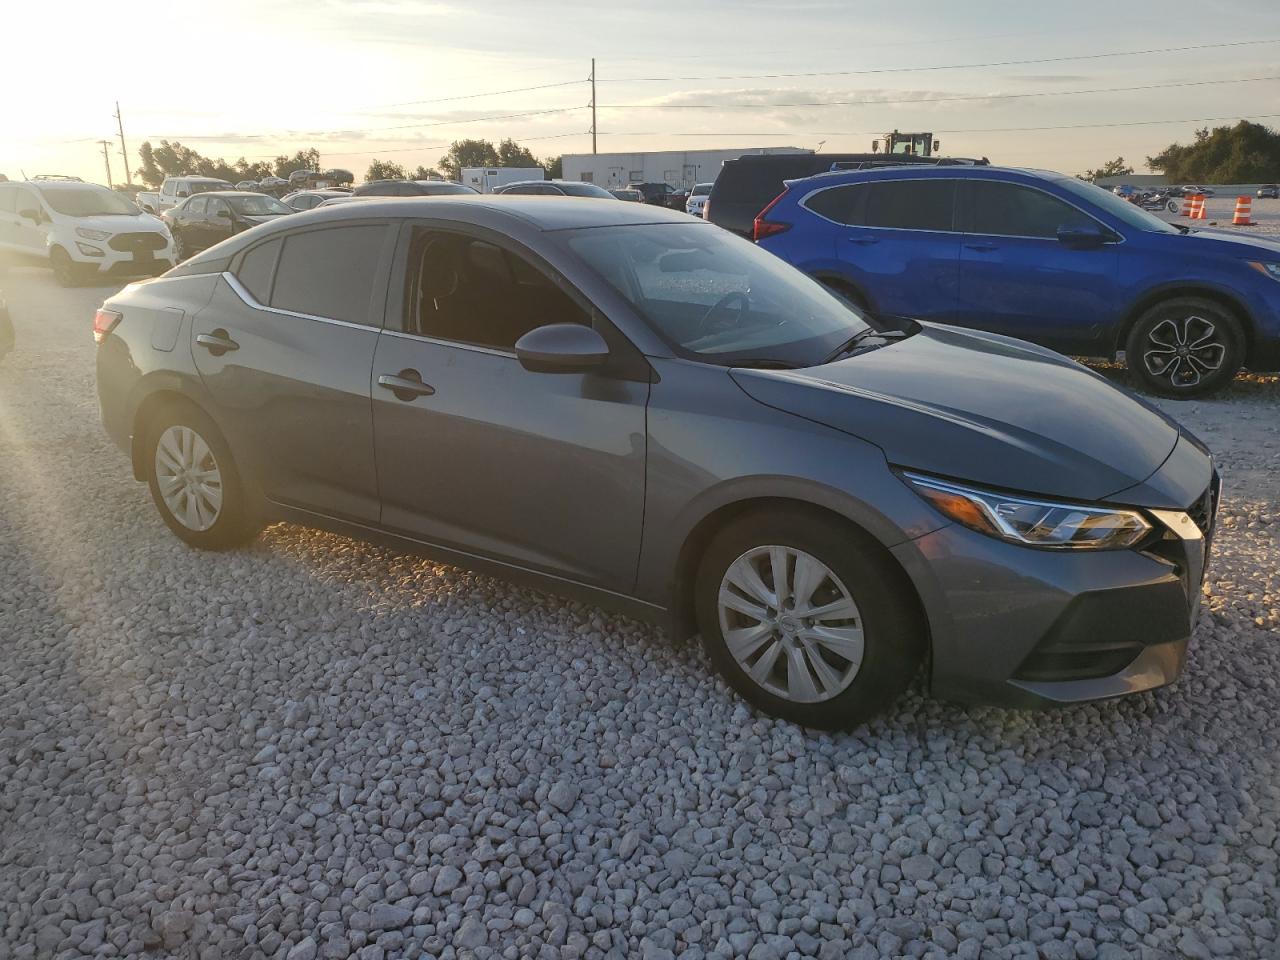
[[707, 326]]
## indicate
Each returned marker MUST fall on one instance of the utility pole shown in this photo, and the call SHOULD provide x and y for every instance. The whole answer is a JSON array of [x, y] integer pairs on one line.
[[124, 151], [593, 105], [107, 158]]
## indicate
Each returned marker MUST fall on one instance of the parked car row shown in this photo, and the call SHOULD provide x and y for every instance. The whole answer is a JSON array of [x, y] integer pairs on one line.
[[834, 498]]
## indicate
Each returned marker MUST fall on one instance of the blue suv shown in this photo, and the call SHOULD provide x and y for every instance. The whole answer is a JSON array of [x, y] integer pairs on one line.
[[1042, 257]]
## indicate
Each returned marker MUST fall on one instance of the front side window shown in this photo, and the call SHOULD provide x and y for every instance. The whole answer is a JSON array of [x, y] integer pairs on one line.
[[1012, 210], [217, 207], [910, 204], [330, 272], [471, 291], [26, 201], [716, 297], [167, 188]]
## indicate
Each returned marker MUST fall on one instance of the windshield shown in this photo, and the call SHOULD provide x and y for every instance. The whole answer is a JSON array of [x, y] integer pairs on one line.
[[256, 205], [89, 202], [1118, 207], [700, 190], [716, 297], [585, 190], [205, 187]]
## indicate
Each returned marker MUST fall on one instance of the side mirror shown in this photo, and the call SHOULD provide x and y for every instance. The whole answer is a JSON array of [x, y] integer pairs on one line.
[[32, 215], [562, 348], [1083, 236]]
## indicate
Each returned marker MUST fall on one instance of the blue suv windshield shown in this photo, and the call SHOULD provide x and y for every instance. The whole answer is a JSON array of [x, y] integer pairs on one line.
[[1118, 207]]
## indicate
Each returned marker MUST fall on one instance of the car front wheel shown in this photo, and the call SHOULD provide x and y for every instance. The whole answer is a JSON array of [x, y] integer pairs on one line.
[[64, 268], [194, 481], [1185, 347], [808, 619]]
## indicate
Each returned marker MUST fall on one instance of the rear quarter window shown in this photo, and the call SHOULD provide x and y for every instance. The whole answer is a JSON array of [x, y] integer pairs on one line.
[[257, 267], [330, 272]]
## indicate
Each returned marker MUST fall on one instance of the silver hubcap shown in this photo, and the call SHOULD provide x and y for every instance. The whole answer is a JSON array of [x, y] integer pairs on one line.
[[790, 624], [1184, 351], [189, 479]]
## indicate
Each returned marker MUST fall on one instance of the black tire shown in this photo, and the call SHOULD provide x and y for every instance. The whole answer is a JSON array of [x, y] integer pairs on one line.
[[1185, 347], [65, 271], [892, 631], [234, 523]]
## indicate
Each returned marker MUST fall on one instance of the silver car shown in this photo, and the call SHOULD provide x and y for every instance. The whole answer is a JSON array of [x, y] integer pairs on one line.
[[621, 404]]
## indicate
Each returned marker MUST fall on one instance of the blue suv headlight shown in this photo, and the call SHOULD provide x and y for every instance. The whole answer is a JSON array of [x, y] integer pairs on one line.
[[1272, 270]]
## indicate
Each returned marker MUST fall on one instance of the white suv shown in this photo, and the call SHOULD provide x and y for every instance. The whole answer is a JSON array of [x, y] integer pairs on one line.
[[697, 199], [82, 230]]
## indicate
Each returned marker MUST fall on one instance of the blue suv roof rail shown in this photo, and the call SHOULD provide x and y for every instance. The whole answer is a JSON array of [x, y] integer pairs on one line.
[[933, 162]]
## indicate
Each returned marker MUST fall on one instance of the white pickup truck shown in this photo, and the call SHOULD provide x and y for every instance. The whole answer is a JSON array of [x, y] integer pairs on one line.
[[176, 189]]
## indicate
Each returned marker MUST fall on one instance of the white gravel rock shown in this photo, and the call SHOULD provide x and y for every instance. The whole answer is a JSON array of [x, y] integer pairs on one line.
[[314, 748]]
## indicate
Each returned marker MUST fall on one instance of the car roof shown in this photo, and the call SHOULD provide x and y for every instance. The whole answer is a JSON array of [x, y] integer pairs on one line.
[[542, 213], [918, 171]]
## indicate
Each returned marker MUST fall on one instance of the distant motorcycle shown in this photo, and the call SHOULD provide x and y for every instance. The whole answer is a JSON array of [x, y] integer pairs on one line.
[[1159, 200]]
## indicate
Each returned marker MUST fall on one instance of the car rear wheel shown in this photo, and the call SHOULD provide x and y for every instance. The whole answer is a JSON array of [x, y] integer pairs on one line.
[[806, 619], [1185, 347], [194, 481]]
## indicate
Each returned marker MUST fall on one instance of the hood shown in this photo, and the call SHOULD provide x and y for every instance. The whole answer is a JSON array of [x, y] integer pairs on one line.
[[983, 408], [1225, 244], [120, 223]]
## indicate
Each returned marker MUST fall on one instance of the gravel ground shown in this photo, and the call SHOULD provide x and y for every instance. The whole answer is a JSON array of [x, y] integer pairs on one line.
[[316, 748]]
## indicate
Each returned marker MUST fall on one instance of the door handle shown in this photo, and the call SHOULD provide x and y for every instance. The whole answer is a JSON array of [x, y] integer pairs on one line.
[[982, 247], [406, 385], [218, 342], [863, 241]]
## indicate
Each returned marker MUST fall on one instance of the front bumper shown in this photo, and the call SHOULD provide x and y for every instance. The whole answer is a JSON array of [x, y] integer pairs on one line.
[[1025, 627], [109, 262]]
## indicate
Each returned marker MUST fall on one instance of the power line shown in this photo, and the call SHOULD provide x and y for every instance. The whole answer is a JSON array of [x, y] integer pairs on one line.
[[841, 133], [491, 93], [434, 146], [945, 99], [950, 66]]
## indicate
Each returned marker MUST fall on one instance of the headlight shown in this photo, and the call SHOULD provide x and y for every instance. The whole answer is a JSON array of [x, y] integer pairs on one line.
[[1033, 523], [1272, 270], [92, 234]]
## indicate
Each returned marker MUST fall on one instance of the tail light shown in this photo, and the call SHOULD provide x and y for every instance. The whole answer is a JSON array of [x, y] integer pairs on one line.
[[104, 321], [762, 226]]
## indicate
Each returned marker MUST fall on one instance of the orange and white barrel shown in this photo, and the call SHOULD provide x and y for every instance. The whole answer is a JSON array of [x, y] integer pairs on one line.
[[1187, 206], [1197, 207]]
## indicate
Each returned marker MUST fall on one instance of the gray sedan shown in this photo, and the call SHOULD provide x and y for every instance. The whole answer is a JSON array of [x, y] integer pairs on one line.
[[617, 403]]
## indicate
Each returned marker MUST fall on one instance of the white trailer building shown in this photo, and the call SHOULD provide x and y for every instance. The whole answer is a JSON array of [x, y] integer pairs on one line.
[[485, 179], [680, 168]]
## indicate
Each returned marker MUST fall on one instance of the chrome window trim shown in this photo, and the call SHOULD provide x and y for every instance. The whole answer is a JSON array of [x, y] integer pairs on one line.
[[249, 301], [473, 347], [958, 233]]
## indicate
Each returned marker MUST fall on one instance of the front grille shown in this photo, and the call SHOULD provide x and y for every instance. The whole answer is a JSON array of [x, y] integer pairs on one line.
[[134, 242]]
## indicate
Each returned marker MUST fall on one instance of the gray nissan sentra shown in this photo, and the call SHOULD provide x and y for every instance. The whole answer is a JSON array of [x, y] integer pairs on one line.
[[616, 403]]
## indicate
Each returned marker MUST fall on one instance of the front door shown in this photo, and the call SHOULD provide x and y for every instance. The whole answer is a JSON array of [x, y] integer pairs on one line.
[[285, 349], [1017, 279], [544, 471]]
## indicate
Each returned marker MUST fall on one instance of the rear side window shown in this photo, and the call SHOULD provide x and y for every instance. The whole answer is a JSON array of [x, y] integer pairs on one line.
[[910, 204], [330, 272], [1012, 210], [196, 206], [256, 269], [841, 204]]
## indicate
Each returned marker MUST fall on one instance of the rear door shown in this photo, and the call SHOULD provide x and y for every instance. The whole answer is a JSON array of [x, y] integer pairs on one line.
[[544, 471], [1017, 279], [898, 243], [285, 347]]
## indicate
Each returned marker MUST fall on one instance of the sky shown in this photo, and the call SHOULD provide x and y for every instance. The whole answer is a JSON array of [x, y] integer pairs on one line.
[[400, 79]]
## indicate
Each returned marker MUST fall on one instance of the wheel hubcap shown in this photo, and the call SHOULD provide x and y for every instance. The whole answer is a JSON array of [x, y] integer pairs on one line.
[[1184, 351], [791, 624], [189, 479]]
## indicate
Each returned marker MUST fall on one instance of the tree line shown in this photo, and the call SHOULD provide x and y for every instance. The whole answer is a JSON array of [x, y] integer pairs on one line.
[[173, 159], [1245, 153]]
